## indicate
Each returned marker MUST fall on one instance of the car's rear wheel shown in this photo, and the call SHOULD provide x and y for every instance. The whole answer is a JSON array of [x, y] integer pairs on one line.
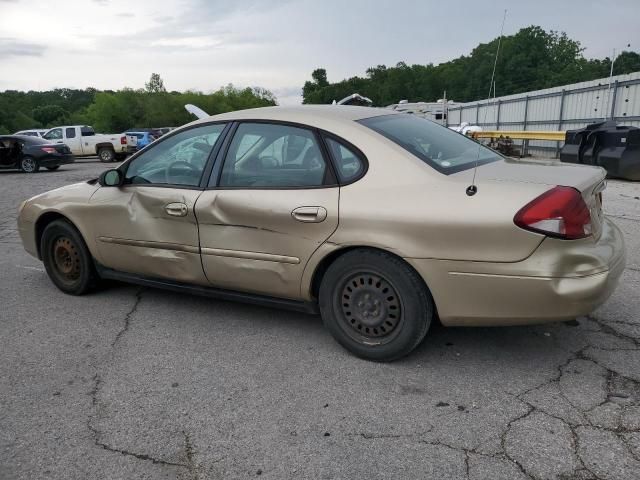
[[28, 164], [53, 168], [67, 259], [106, 154], [375, 305]]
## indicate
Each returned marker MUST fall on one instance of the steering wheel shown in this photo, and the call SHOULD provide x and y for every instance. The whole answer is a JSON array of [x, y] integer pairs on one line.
[[168, 173]]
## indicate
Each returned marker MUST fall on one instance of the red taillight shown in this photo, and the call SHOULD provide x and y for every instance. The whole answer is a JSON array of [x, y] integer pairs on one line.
[[123, 140], [49, 149], [559, 212]]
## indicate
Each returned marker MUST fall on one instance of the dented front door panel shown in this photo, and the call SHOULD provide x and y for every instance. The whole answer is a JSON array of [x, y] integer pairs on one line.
[[149, 230]]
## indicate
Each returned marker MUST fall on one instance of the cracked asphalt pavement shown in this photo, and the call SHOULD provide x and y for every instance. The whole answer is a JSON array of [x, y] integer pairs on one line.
[[142, 383]]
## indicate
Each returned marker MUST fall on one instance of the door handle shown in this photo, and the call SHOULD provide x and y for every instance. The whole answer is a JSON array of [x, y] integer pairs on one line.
[[309, 214], [176, 209]]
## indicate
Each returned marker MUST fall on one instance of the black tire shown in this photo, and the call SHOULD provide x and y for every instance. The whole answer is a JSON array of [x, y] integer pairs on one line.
[[106, 154], [375, 305], [53, 168], [28, 164], [67, 259]]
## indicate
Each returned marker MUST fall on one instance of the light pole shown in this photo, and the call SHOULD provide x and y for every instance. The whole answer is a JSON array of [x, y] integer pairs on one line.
[[606, 110]]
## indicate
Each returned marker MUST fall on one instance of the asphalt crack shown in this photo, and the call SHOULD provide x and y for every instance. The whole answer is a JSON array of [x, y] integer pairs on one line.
[[612, 331], [189, 451], [190, 454], [139, 456], [127, 318]]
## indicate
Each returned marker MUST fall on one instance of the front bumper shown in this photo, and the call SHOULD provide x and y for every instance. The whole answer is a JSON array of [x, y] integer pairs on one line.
[[561, 280]]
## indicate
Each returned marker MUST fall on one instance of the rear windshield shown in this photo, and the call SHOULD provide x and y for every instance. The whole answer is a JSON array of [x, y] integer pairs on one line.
[[441, 148]]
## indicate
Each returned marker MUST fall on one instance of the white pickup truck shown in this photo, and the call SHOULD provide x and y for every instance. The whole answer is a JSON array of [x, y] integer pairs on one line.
[[83, 142]]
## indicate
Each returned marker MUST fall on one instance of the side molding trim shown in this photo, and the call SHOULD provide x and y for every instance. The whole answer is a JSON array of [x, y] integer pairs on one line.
[[267, 257], [150, 244]]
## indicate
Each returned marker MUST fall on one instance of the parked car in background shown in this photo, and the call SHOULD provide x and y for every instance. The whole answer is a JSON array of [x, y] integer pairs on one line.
[[143, 138], [365, 215], [164, 130], [29, 153], [32, 133], [84, 142]]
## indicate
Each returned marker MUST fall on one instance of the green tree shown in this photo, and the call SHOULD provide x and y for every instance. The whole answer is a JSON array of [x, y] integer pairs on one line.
[[49, 114], [530, 59], [155, 84], [319, 81]]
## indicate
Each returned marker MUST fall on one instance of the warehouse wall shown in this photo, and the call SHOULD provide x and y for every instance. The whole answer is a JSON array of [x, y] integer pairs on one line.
[[560, 108]]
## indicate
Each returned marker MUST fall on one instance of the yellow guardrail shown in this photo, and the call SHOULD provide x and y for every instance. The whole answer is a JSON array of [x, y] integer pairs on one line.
[[521, 134]]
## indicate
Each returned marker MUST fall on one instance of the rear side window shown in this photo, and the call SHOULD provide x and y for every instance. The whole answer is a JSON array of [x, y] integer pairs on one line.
[[349, 164], [441, 148], [273, 156], [70, 132], [87, 132]]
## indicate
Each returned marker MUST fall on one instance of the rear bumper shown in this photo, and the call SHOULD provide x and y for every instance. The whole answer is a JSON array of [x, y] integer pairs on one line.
[[52, 161], [561, 280]]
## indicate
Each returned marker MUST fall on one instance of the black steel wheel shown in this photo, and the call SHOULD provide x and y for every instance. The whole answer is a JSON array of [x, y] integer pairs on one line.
[[370, 306], [66, 258], [375, 305]]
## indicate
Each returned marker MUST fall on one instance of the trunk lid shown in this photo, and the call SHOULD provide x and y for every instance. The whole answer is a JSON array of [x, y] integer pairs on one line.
[[588, 180]]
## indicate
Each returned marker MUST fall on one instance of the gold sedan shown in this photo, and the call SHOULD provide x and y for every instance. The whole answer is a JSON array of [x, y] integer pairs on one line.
[[380, 221]]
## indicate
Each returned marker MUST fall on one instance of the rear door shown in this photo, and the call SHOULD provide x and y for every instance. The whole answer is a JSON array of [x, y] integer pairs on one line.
[[272, 202], [148, 225]]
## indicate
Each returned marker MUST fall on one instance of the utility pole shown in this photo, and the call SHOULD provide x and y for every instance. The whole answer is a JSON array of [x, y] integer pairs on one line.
[[606, 109]]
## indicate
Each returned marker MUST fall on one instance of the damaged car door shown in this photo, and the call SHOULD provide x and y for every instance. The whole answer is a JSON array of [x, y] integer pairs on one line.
[[270, 203], [147, 225]]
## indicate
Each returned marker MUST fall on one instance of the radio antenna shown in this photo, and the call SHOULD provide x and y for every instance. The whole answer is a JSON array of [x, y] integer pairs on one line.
[[473, 189]]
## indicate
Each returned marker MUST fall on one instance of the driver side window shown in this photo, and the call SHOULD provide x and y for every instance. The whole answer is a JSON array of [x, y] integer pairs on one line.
[[55, 134], [177, 160]]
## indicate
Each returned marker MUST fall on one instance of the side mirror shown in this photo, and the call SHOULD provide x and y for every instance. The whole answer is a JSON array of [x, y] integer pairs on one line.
[[111, 178]]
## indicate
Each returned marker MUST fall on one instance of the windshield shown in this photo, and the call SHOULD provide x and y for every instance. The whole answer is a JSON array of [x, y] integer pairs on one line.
[[441, 148]]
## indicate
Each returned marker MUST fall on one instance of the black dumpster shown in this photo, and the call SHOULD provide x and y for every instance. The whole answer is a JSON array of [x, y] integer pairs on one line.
[[615, 148]]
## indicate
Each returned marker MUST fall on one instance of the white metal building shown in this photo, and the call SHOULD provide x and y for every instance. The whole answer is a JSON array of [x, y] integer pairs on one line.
[[559, 108]]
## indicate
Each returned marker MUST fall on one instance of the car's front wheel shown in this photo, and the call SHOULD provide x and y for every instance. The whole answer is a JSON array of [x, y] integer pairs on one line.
[[67, 259], [28, 164], [375, 305]]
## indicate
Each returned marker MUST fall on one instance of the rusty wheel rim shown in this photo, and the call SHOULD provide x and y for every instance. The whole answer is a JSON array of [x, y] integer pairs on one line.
[[66, 259]]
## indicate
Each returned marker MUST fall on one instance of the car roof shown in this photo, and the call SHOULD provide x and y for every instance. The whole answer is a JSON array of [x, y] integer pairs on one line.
[[305, 114], [20, 137]]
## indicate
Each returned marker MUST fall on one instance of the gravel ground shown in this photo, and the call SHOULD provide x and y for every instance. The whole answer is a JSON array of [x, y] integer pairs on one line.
[[142, 383]]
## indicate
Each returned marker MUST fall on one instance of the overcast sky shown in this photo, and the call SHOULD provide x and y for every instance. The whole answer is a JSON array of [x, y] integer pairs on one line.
[[200, 44]]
